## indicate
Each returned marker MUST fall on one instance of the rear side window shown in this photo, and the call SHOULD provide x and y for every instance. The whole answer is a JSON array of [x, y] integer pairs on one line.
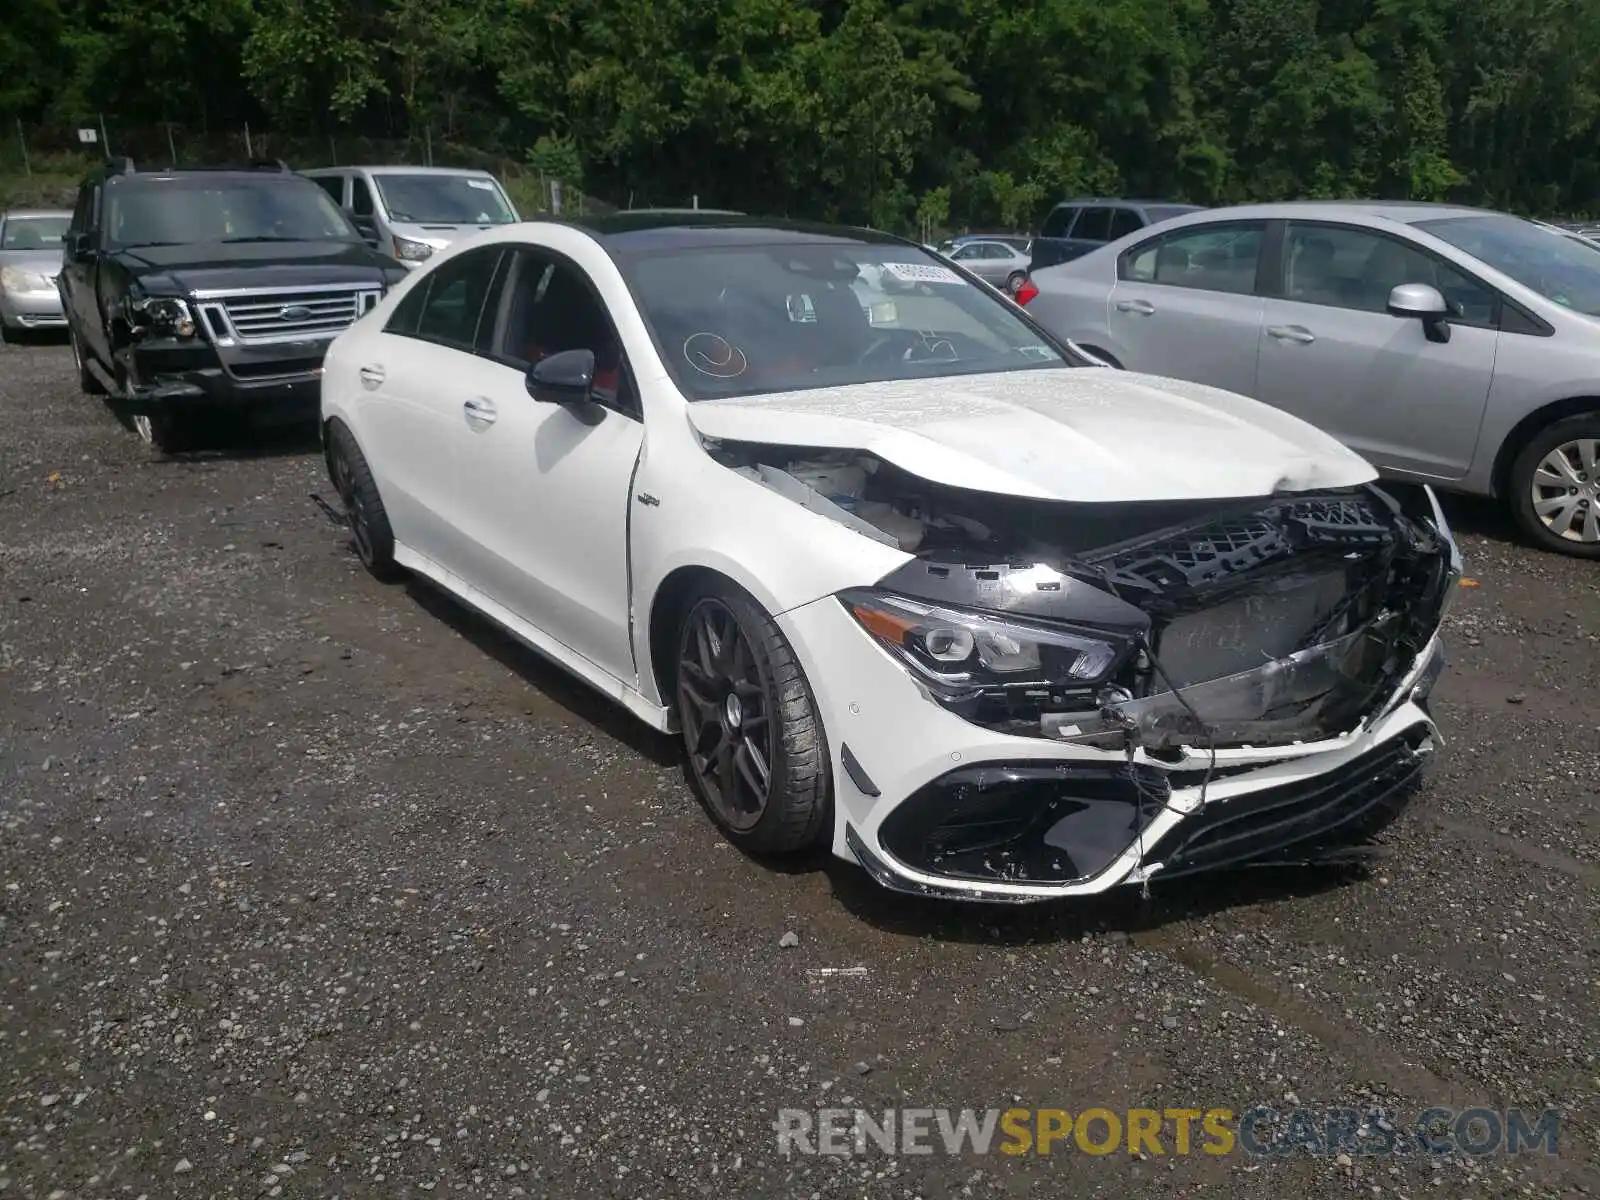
[[333, 185], [1094, 224], [1123, 222], [1213, 258], [1059, 221], [360, 197]]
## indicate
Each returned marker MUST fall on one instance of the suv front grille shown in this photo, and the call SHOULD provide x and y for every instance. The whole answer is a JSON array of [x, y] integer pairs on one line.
[[286, 315]]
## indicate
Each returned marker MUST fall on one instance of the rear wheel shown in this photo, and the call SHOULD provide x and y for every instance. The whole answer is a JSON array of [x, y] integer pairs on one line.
[[363, 507], [758, 759], [1555, 487], [1015, 280]]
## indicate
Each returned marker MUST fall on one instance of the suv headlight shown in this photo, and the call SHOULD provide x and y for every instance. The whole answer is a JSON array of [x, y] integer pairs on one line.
[[163, 316], [960, 652], [15, 279]]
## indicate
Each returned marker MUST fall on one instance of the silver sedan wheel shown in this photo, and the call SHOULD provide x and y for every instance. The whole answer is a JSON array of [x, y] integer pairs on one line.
[[1566, 491]]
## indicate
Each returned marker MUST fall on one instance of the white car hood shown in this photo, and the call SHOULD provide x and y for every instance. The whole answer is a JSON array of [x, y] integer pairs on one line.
[[1075, 434]]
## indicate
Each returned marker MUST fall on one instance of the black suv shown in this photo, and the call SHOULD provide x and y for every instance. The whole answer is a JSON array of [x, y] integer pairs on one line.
[[194, 292], [1075, 227]]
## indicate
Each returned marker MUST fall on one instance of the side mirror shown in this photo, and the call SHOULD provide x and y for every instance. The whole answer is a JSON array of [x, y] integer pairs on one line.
[[1423, 302], [79, 245], [566, 377]]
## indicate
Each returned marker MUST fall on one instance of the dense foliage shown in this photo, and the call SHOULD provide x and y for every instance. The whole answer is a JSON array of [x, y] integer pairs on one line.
[[926, 111]]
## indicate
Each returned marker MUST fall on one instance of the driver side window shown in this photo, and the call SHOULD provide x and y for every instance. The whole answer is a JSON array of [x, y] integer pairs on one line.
[[549, 305]]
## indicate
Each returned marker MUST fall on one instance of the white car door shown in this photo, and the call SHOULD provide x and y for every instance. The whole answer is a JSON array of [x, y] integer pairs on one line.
[[1332, 354], [544, 488], [409, 377], [1185, 305]]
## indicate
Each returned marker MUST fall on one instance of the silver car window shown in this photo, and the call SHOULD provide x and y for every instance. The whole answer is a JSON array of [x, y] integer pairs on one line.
[[1349, 267], [1213, 258], [1559, 269]]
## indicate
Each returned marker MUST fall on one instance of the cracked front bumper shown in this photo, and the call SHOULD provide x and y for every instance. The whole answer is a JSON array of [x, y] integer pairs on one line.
[[268, 385], [917, 788]]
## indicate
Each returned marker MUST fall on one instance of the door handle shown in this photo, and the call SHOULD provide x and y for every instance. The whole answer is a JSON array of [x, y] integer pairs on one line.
[[480, 412], [1143, 307], [371, 377], [1292, 333]]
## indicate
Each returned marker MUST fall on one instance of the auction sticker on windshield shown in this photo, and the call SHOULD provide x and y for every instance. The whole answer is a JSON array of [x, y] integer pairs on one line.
[[922, 273]]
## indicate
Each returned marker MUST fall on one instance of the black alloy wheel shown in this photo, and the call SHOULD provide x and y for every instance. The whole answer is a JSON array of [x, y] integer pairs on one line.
[[724, 704], [363, 508]]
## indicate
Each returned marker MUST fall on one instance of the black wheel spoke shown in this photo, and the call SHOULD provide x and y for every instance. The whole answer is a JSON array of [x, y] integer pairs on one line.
[[724, 709]]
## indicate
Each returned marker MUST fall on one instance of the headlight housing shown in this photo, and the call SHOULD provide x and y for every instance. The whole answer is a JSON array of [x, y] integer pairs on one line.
[[163, 316], [961, 654], [409, 250], [15, 279]]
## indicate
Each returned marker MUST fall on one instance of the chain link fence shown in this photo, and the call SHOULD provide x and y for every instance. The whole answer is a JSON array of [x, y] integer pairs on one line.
[[43, 163]]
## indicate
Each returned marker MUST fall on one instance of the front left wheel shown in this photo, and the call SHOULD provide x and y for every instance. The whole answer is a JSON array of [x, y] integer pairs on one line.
[[1555, 486], [758, 757]]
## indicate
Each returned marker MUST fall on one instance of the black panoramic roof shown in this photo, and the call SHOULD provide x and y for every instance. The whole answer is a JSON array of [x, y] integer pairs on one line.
[[699, 228]]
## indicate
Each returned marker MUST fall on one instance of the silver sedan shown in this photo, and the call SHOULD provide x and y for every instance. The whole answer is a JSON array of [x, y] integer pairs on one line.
[[996, 262], [30, 261], [1453, 346]]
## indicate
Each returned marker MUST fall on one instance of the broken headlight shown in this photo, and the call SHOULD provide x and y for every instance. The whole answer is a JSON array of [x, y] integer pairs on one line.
[[161, 316], [963, 652]]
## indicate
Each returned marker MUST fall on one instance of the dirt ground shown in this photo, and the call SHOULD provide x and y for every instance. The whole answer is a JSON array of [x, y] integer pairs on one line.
[[314, 887]]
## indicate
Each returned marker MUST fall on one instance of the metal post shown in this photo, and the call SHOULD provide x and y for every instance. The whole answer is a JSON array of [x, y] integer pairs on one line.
[[697, 200], [172, 151], [249, 152], [105, 142], [427, 143], [22, 140], [333, 152]]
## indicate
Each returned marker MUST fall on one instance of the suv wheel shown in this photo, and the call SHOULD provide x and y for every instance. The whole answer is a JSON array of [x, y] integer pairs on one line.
[[162, 431], [1555, 486]]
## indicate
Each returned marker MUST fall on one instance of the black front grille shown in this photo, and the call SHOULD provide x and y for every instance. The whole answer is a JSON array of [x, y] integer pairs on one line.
[[1294, 821]]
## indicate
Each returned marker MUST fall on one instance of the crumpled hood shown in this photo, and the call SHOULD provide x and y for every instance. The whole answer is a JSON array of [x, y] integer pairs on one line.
[[1075, 434], [204, 266]]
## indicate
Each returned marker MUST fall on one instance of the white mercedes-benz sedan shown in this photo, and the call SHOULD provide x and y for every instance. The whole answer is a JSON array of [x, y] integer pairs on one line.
[[912, 578]]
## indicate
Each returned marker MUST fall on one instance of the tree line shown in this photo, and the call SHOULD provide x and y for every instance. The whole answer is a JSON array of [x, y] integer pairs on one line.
[[903, 115]]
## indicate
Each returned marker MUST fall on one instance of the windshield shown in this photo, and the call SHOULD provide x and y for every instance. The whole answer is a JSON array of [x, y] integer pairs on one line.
[[1558, 268], [179, 212], [776, 318], [33, 233], [445, 200]]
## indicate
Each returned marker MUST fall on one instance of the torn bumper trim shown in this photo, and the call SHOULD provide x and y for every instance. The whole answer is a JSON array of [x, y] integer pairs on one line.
[[1272, 815]]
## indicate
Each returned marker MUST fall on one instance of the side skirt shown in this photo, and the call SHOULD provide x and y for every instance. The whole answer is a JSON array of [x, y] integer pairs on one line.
[[654, 715]]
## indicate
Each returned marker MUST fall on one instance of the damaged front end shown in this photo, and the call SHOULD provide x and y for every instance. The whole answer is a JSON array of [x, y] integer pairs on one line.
[[1195, 657]]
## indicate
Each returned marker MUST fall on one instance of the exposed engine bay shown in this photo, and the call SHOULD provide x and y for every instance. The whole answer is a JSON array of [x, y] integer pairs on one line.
[[1261, 621]]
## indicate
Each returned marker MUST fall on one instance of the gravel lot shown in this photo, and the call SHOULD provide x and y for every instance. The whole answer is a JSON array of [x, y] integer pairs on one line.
[[313, 887]]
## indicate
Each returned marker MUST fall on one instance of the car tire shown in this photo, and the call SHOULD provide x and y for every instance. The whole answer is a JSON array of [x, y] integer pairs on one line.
[[733, 659], [370, 531], [1014, 282], [163, 432], [87, 382], [1536, 476]]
